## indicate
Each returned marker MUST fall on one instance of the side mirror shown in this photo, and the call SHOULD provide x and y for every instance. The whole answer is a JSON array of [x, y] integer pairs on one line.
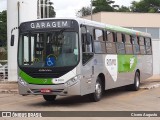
[[88, 40], [12, 40]]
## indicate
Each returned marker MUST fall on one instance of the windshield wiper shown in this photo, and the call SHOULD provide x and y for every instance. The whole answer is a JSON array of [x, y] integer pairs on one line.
[[61, 31]]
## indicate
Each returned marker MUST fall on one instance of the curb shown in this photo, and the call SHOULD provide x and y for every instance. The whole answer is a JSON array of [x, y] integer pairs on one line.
[[14, 91], [8, 87], [150, 86]]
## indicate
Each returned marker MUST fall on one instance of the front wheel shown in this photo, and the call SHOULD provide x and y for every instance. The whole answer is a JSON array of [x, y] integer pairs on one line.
[[97, 95], [49, 97]]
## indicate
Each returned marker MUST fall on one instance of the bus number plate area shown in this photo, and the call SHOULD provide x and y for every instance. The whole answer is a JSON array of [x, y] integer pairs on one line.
[[45, 91]]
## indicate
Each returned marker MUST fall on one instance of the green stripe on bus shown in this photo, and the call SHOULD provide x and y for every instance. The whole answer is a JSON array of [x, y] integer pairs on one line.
[[127, 63], [32, 80]]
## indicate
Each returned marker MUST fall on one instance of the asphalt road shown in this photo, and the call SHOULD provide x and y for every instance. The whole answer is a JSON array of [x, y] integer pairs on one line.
[[113, 100]]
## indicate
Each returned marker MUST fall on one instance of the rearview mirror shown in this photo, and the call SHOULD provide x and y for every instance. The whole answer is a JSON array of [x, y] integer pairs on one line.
[[12, 40]]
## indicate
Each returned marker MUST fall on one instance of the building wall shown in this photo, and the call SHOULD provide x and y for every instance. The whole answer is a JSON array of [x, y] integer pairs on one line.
[[127, 19], [145, 22], [27, 11]]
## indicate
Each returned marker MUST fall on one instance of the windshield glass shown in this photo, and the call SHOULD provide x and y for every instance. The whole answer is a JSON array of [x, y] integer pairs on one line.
[[49, 49]]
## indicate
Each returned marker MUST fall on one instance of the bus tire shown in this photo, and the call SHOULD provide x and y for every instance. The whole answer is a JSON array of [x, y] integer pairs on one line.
[[97, 95], [49, 97], [136, 84]]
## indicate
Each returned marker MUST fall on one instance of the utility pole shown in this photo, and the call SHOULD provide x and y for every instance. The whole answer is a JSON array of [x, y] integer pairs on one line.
[[48, 6], [39, 9], [44, 10], [91, 8]]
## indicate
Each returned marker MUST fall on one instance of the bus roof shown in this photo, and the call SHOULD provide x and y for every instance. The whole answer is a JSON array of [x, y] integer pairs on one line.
[[104, 26], [113, 28]]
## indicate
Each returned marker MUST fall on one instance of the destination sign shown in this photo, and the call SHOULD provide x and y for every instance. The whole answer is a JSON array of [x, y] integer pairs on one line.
[[50, 24], [43, 25]]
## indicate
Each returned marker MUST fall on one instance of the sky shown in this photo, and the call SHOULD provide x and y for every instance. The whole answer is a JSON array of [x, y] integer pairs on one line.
[[69, 7]]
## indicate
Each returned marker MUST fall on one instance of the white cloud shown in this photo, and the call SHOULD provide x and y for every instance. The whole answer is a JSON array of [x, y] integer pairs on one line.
[[124, 2], [69, 8], [3, 5]]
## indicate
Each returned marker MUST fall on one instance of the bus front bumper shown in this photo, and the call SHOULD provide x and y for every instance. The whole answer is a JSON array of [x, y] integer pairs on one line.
[[56, 89]]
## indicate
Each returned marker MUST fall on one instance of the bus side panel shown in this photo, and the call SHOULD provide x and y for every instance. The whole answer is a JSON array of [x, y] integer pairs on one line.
[[88, 79], [145, 65], [120, 70], [101, 68]]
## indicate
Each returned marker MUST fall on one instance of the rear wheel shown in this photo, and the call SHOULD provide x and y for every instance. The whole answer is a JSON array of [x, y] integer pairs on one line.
[[97, 95], [49, 97], [136, 84]]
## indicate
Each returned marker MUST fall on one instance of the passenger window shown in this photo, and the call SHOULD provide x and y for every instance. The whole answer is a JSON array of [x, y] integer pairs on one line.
[[110, 36], [99, 47], [148, 46], [142, 46], [136, 48], [110, 44], [120, 43], [119, 37], [128, 44], [99, 35]]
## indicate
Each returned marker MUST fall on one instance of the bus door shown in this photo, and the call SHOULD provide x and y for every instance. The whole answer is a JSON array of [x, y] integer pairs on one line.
[[87, 69]]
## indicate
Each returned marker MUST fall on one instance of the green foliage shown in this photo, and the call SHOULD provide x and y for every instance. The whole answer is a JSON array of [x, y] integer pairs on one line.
[[3, 55], [84, 11], [52, 13], [124, 9], [145, 6], [103, 5], [3, 28]]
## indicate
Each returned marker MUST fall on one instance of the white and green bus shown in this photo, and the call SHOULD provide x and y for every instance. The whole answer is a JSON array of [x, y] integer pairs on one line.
[[80, 57]]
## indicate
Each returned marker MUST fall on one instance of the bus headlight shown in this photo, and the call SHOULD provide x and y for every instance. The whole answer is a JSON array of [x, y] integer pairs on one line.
[[22, 81], [73, 81]]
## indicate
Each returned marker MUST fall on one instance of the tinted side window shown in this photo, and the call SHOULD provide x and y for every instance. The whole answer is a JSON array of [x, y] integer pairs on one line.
[[136, 48], [110, 43], [98, 35], [142, 45], [148, 46], [120, 43], [128, 44], [110, 36], [99, 42]]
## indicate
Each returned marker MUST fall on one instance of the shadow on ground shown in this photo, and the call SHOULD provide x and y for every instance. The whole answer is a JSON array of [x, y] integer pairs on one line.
[[80, 100]]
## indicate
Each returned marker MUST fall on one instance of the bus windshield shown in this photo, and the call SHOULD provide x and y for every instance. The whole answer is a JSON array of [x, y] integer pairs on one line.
[[48, 49]]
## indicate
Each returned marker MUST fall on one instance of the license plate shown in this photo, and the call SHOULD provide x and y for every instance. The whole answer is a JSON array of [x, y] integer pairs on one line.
[[45, 90]]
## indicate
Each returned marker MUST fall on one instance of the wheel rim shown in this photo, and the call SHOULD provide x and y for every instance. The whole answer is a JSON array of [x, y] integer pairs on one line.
[[137, 81], [98, 90]]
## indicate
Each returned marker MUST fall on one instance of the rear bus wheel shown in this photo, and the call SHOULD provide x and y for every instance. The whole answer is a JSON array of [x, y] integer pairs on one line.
[[136, 84]]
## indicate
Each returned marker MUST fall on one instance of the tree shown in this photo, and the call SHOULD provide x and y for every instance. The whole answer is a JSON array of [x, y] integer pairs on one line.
[[84, 11], [123, 9], [99, 5], [3, 28], [48, 4], [103, 5], [52, 13], [145, 6]]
